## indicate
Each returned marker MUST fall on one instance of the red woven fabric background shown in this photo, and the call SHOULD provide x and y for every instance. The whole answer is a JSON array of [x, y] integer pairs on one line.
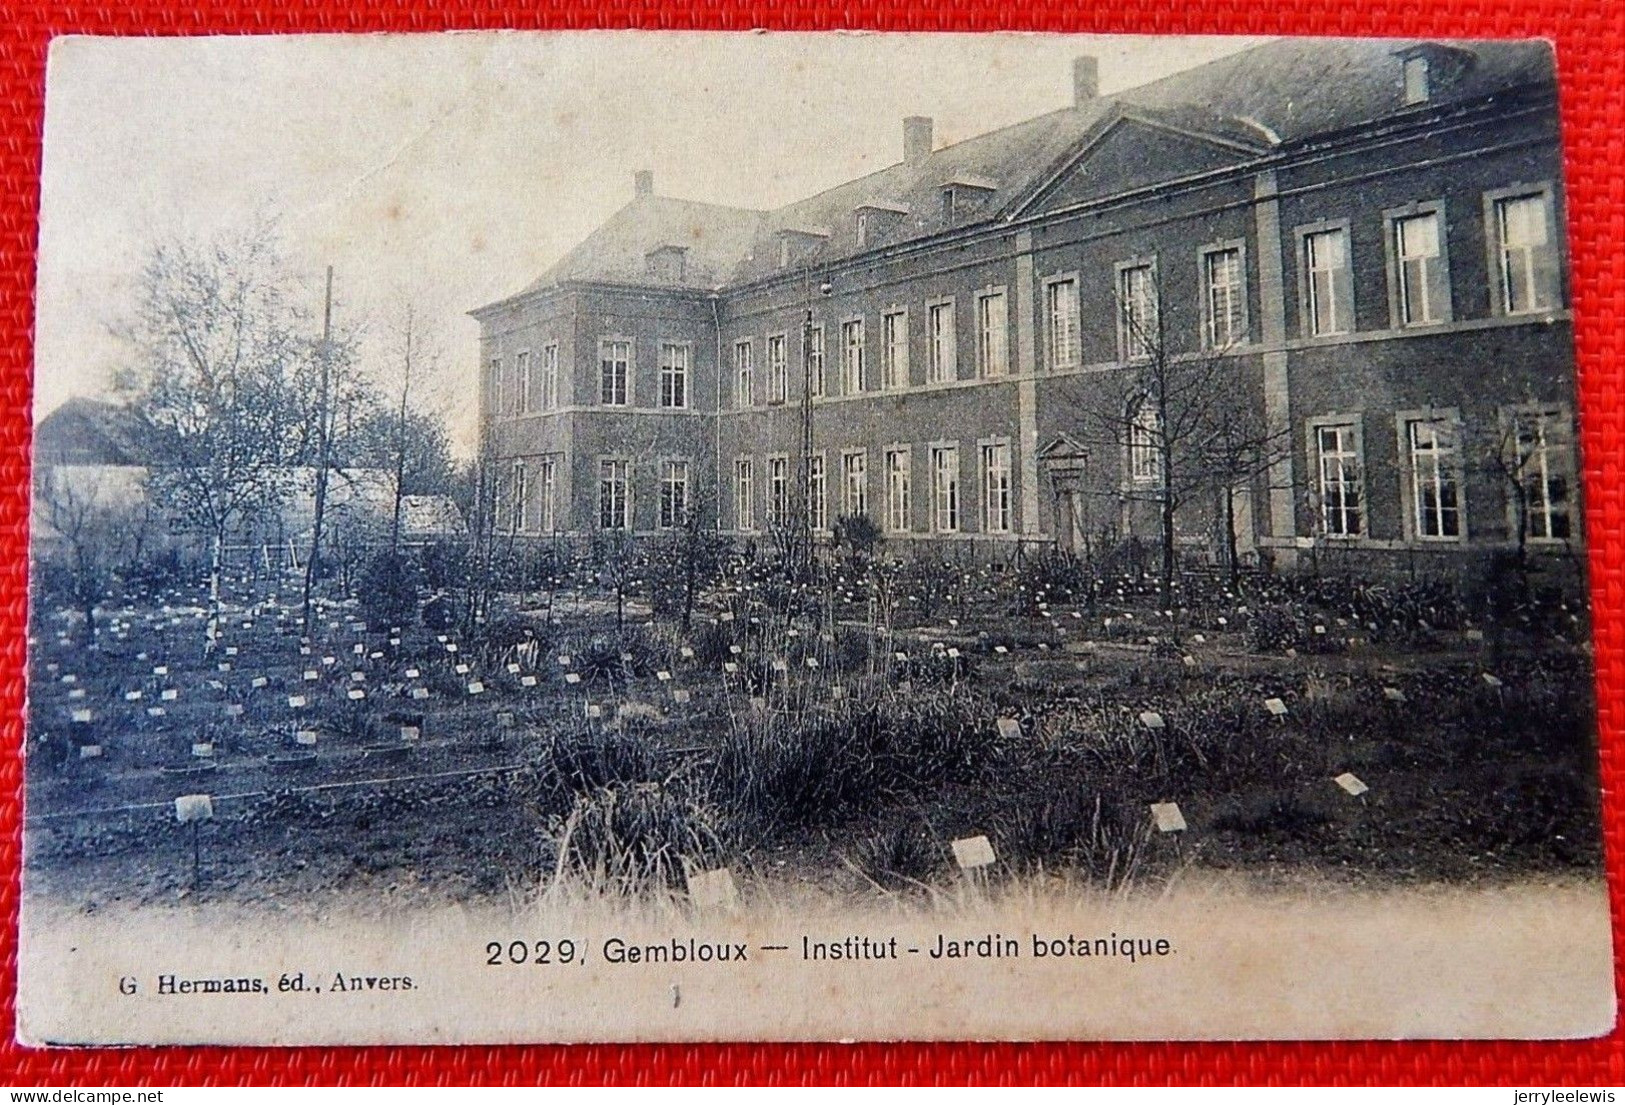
[[1590, 37]]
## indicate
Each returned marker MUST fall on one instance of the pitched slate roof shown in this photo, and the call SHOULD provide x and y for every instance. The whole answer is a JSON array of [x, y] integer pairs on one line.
[[85, 431], [1280, 93], [1302, 87], [712, 238]]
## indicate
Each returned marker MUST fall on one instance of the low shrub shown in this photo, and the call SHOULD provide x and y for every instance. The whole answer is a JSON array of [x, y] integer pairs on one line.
[[389, 590], [935, 668], [1275, 629], [441, 613], [854, 648]]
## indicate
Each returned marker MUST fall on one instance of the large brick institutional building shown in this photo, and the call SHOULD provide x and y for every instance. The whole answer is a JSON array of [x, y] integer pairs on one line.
[[1366, 236]]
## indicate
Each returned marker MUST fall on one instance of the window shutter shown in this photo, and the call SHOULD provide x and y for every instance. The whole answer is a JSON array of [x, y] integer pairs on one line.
[[1343, 295], [1548, 280], [1439, 288]]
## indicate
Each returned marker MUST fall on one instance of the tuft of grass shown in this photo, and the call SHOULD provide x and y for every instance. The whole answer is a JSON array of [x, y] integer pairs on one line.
[[587, 758], [899, 857], [635, 839], [1103, 840], [809, 766], [793, 768]]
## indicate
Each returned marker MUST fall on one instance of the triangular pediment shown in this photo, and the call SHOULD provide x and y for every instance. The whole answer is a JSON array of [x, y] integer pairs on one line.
[[1063, 447], [1129, 151]]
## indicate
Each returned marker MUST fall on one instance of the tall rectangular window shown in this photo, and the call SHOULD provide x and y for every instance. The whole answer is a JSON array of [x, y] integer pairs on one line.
[[521, 372], [817, 513], [1421, 291], [744, 375], [614, 497], [1434, 461], [1543, 463], [1526, 252], [493, 386], [1061, 322], [992, 334], [943, 364], [778, 369], [1327, 289], [546, 488], [815, 359], [744, 502], [518, 521], [673, 375], [996, 487], [1137, 336], [1416, 80], [1342, 482], [945, 488], [1145, 442], [894, 350], [549, 383], [673, 493], [614, 366], [897, 490], [778, 491], [855, 484], [1224, 299], [852, 356]]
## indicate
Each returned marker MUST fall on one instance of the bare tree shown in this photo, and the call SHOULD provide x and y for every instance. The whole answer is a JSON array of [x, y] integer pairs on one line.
[[481, 501], [1186, 423], [216, 345], [406, 433], [687, 557], [1518, 452], [1237, 449], [325, 416], [98, 530], [618, 555], [407, 334]]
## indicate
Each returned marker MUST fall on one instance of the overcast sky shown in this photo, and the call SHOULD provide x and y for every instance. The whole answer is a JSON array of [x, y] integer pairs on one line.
[[452, 169]]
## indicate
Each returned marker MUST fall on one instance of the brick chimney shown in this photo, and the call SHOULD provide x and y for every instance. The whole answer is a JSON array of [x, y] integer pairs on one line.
[[643, 182], [916, 139], [1085, 80]]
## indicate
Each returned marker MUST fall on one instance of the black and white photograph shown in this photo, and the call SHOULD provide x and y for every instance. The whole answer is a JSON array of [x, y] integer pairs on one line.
[[701, 536]]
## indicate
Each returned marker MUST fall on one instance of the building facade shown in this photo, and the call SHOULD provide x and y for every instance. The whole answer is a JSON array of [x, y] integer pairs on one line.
[[1356, 249]]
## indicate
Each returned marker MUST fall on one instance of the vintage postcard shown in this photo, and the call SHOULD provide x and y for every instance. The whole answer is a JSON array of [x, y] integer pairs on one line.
[[636, 536]]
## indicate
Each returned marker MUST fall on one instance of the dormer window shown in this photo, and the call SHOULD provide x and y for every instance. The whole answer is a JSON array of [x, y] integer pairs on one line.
[[1430, 69], [1416, 80], [667, 263], [799, 244], [876, 222], [964, 196]]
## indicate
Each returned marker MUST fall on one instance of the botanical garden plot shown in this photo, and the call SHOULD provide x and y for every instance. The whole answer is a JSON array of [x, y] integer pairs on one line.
[[834, 735]]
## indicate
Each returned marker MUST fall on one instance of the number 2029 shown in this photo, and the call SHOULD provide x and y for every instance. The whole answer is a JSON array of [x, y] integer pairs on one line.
[[540, 952]]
